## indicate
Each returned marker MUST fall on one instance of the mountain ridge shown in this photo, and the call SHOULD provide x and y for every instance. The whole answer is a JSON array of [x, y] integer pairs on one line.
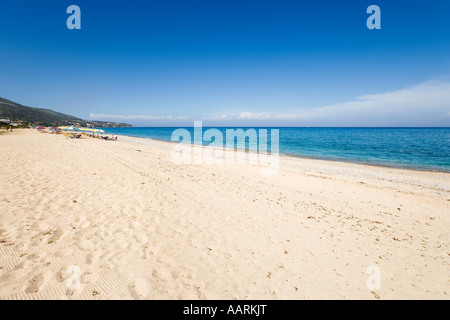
[[15, 112]]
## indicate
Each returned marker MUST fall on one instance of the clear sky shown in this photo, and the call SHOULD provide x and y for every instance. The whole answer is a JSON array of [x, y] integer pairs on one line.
[[231, 62]]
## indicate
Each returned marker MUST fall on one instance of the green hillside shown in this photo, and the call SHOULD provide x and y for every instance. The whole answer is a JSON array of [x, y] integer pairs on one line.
[[15, 112]]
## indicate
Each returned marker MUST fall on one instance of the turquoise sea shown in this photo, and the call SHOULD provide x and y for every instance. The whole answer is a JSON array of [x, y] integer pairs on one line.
[[415, 148]]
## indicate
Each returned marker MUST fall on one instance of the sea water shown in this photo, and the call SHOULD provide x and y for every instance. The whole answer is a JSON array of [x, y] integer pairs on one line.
[[415, 148]]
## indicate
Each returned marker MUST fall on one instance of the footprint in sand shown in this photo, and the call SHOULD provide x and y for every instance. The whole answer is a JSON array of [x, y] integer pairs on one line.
[[18, 274], [86, 245], [38, 282], [56, 235], [162, 274], [38, 256], [92, 257], [139, 289], [90, 276], [63, 252]]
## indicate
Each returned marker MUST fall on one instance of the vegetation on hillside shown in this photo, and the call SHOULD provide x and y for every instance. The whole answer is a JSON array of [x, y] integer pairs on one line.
[[23, 115]]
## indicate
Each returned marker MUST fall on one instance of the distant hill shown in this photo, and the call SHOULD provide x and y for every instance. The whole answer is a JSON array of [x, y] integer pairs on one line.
[[15, 112]]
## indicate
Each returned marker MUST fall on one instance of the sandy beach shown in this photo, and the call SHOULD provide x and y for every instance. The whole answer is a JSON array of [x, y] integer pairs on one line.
[[127, 222]]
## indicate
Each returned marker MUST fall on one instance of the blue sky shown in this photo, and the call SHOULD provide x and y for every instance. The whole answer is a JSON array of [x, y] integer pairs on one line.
[[231, 62]]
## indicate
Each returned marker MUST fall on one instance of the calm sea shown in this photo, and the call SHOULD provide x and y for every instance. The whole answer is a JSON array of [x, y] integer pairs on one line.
[[416, 148]]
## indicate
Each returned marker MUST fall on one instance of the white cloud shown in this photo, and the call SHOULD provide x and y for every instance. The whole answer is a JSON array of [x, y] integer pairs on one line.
[[117, 117], [425, 104], [101, 116], [420, 105], [254, 116], [218, 117], [273, 116], [292, 116]]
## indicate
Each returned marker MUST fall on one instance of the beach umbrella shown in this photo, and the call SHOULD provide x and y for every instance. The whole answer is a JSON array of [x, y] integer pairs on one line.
[[71, 128], [92, 130], [86, 129]]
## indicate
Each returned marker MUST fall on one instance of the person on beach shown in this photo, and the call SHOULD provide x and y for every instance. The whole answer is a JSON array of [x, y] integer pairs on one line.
[[10, 128]]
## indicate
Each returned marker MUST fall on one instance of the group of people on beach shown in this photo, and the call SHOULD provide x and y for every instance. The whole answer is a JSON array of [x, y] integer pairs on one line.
[[77, 135], [104, 137]]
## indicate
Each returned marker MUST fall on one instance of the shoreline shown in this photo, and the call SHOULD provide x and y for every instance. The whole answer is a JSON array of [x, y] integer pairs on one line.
[[420, 169]]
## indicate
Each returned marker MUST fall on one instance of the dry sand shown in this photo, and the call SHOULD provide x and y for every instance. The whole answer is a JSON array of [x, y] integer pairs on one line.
[[134, 226]]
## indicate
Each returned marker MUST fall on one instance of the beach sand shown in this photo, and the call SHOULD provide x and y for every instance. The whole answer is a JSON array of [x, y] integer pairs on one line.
[[128, 223]]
